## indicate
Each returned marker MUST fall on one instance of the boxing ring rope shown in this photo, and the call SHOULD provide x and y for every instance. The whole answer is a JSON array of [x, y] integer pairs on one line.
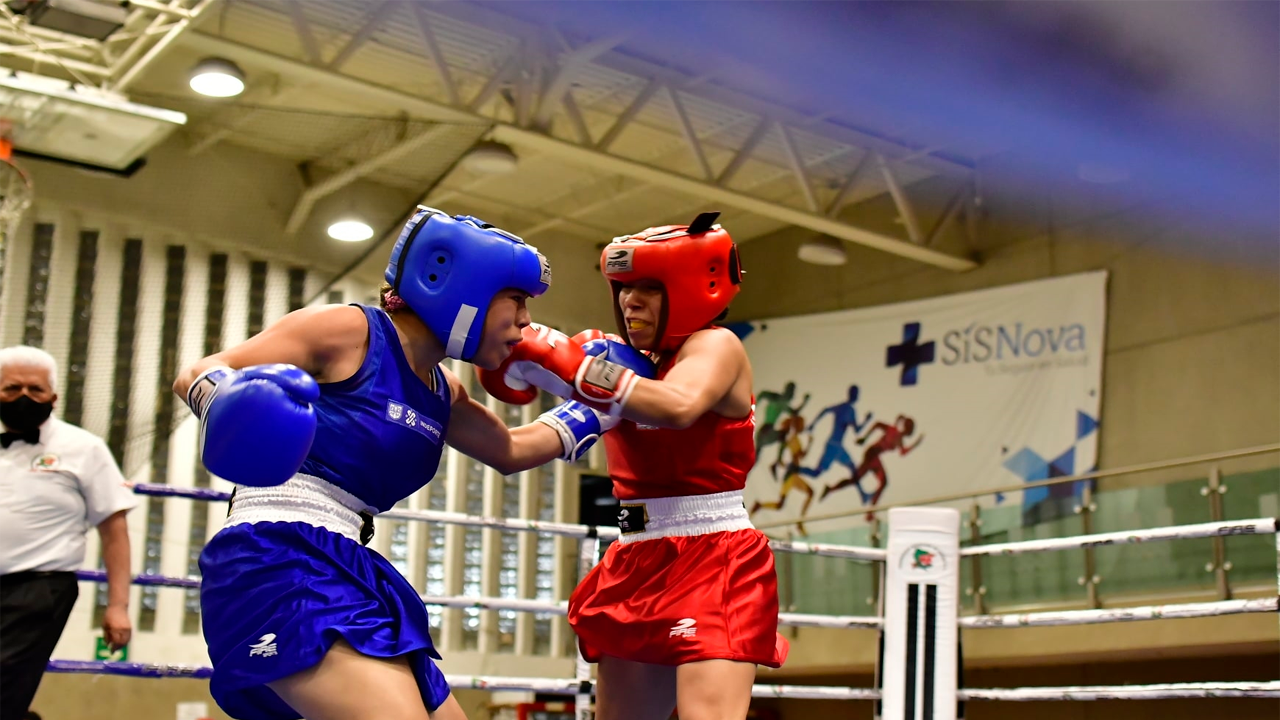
[[582, 686], [1260, 526], [1164, 691], [868, 622], [603, 532], [1094, 617], [844, 622]]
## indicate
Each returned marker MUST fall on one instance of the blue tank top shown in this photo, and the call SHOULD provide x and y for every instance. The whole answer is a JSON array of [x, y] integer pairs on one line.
[[380, 433]]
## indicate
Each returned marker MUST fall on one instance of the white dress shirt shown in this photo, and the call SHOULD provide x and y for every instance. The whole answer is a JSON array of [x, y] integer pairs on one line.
[[52, 493]]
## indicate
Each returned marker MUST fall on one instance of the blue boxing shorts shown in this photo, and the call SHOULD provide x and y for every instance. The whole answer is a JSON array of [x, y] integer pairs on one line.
[[283, 581]]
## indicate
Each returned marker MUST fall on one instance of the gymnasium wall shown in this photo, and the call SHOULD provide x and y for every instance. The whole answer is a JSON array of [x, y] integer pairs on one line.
[[1191, 366], [1192, 360]]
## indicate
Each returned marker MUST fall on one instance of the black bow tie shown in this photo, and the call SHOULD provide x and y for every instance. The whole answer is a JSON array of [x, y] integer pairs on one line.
[[31, 437]]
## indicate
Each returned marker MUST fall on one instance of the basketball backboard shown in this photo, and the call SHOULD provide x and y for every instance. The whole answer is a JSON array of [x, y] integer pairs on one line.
[[56, 120]]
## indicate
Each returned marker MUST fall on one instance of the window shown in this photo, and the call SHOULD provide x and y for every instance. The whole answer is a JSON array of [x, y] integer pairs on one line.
[[81, 316], [38, 284], [175, 269], [199, 530], [473, 555]]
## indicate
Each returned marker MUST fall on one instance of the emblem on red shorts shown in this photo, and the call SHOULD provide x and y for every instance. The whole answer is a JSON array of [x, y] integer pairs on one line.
[[686, 628]]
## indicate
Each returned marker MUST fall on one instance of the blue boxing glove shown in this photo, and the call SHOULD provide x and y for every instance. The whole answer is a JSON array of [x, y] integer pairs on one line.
[[256, 424], [578, 425], [610, 349]]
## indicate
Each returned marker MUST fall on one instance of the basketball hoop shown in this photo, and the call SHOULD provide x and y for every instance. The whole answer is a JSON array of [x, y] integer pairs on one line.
[[16, 191]]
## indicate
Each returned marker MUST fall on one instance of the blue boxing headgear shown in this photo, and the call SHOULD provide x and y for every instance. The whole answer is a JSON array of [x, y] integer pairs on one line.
[[447, 270]]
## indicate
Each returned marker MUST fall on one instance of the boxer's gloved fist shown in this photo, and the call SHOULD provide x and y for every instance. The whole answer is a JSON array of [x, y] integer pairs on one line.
[[517, 379], [506, 382], [578, 425], [587, 336], [600, 373], [256, 424], [610, 352]]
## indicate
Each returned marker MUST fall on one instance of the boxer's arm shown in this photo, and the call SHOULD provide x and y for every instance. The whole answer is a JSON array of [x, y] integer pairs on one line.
[[477, 432], [707, 369], [314, 339]]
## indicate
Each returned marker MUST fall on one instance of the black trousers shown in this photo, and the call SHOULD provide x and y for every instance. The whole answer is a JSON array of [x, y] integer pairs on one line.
[[34, 607]]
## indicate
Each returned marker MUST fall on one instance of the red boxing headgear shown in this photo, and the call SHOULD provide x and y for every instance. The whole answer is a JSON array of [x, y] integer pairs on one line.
[[697, 265]]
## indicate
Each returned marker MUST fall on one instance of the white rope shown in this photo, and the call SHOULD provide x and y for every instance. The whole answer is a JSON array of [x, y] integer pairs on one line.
[[575, 686], [1263, 526], [1152, 612], [555, 686], [483, 603], [843, 622], [1166, 691], [562, 608], [814, 692], [604, 532], [538, 526], [571, 687], [851, 552]]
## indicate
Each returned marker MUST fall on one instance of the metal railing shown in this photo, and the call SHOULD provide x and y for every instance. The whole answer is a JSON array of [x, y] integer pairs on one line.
[[1085, 507]]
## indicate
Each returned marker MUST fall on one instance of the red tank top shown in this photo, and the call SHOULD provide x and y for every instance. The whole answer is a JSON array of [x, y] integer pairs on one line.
[[712, 455]]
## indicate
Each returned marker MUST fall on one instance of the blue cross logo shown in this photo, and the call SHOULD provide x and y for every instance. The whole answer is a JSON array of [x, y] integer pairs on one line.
[[910, 354]]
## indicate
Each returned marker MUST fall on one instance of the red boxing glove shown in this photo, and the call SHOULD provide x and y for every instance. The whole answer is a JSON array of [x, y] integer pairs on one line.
[[504, 386], [587, 336], [545, 358], [554, 362], [539, 361]]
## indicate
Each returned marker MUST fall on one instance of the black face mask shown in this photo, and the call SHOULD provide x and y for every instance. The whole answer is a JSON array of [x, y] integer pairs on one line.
[[24, 414]]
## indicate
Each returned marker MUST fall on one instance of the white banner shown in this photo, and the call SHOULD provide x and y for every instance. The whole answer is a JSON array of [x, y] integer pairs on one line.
[[906, 402]]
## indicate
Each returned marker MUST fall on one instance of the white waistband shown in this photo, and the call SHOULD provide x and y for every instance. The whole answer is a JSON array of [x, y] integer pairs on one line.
[[687, 515], [302, 498]]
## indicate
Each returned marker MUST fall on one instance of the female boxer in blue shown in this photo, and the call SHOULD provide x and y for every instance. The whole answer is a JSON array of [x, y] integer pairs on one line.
[[335, 413]]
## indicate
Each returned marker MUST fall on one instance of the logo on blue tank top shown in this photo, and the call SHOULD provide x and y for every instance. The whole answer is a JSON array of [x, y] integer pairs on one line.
[[401, 414]]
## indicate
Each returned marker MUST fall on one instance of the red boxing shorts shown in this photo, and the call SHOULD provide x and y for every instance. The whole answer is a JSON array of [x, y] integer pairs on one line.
[[689, 580]]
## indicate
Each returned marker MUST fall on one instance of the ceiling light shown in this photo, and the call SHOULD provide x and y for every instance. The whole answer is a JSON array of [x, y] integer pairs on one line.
[[490, 158], [216, 77], [825, 251], [350, 231]]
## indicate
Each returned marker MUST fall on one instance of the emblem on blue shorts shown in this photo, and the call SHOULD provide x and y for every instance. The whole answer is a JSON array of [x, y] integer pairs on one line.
[[265, 647]]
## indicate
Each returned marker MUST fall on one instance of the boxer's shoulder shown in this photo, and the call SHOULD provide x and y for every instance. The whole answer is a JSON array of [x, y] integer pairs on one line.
[[719, 342]]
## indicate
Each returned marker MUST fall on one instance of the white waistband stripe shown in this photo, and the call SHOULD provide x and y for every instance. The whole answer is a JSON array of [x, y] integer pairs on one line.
[[302, 498], [687, 516]]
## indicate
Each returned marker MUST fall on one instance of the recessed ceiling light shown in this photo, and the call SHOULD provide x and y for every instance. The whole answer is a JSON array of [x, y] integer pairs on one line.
[[826, 251], [350, 231], [490, 158]]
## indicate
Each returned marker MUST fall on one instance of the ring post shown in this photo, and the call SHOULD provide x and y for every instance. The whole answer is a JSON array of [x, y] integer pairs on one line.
[[921, 593]]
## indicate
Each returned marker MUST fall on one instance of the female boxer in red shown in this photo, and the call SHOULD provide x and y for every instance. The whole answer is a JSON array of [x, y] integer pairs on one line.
[[685, 605], [682, 609]]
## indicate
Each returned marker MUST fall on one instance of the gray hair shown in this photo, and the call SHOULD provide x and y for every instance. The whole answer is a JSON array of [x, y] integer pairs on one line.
[[31, 357]]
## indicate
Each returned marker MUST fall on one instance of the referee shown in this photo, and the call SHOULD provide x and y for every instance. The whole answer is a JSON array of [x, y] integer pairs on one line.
[[56, 481]]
